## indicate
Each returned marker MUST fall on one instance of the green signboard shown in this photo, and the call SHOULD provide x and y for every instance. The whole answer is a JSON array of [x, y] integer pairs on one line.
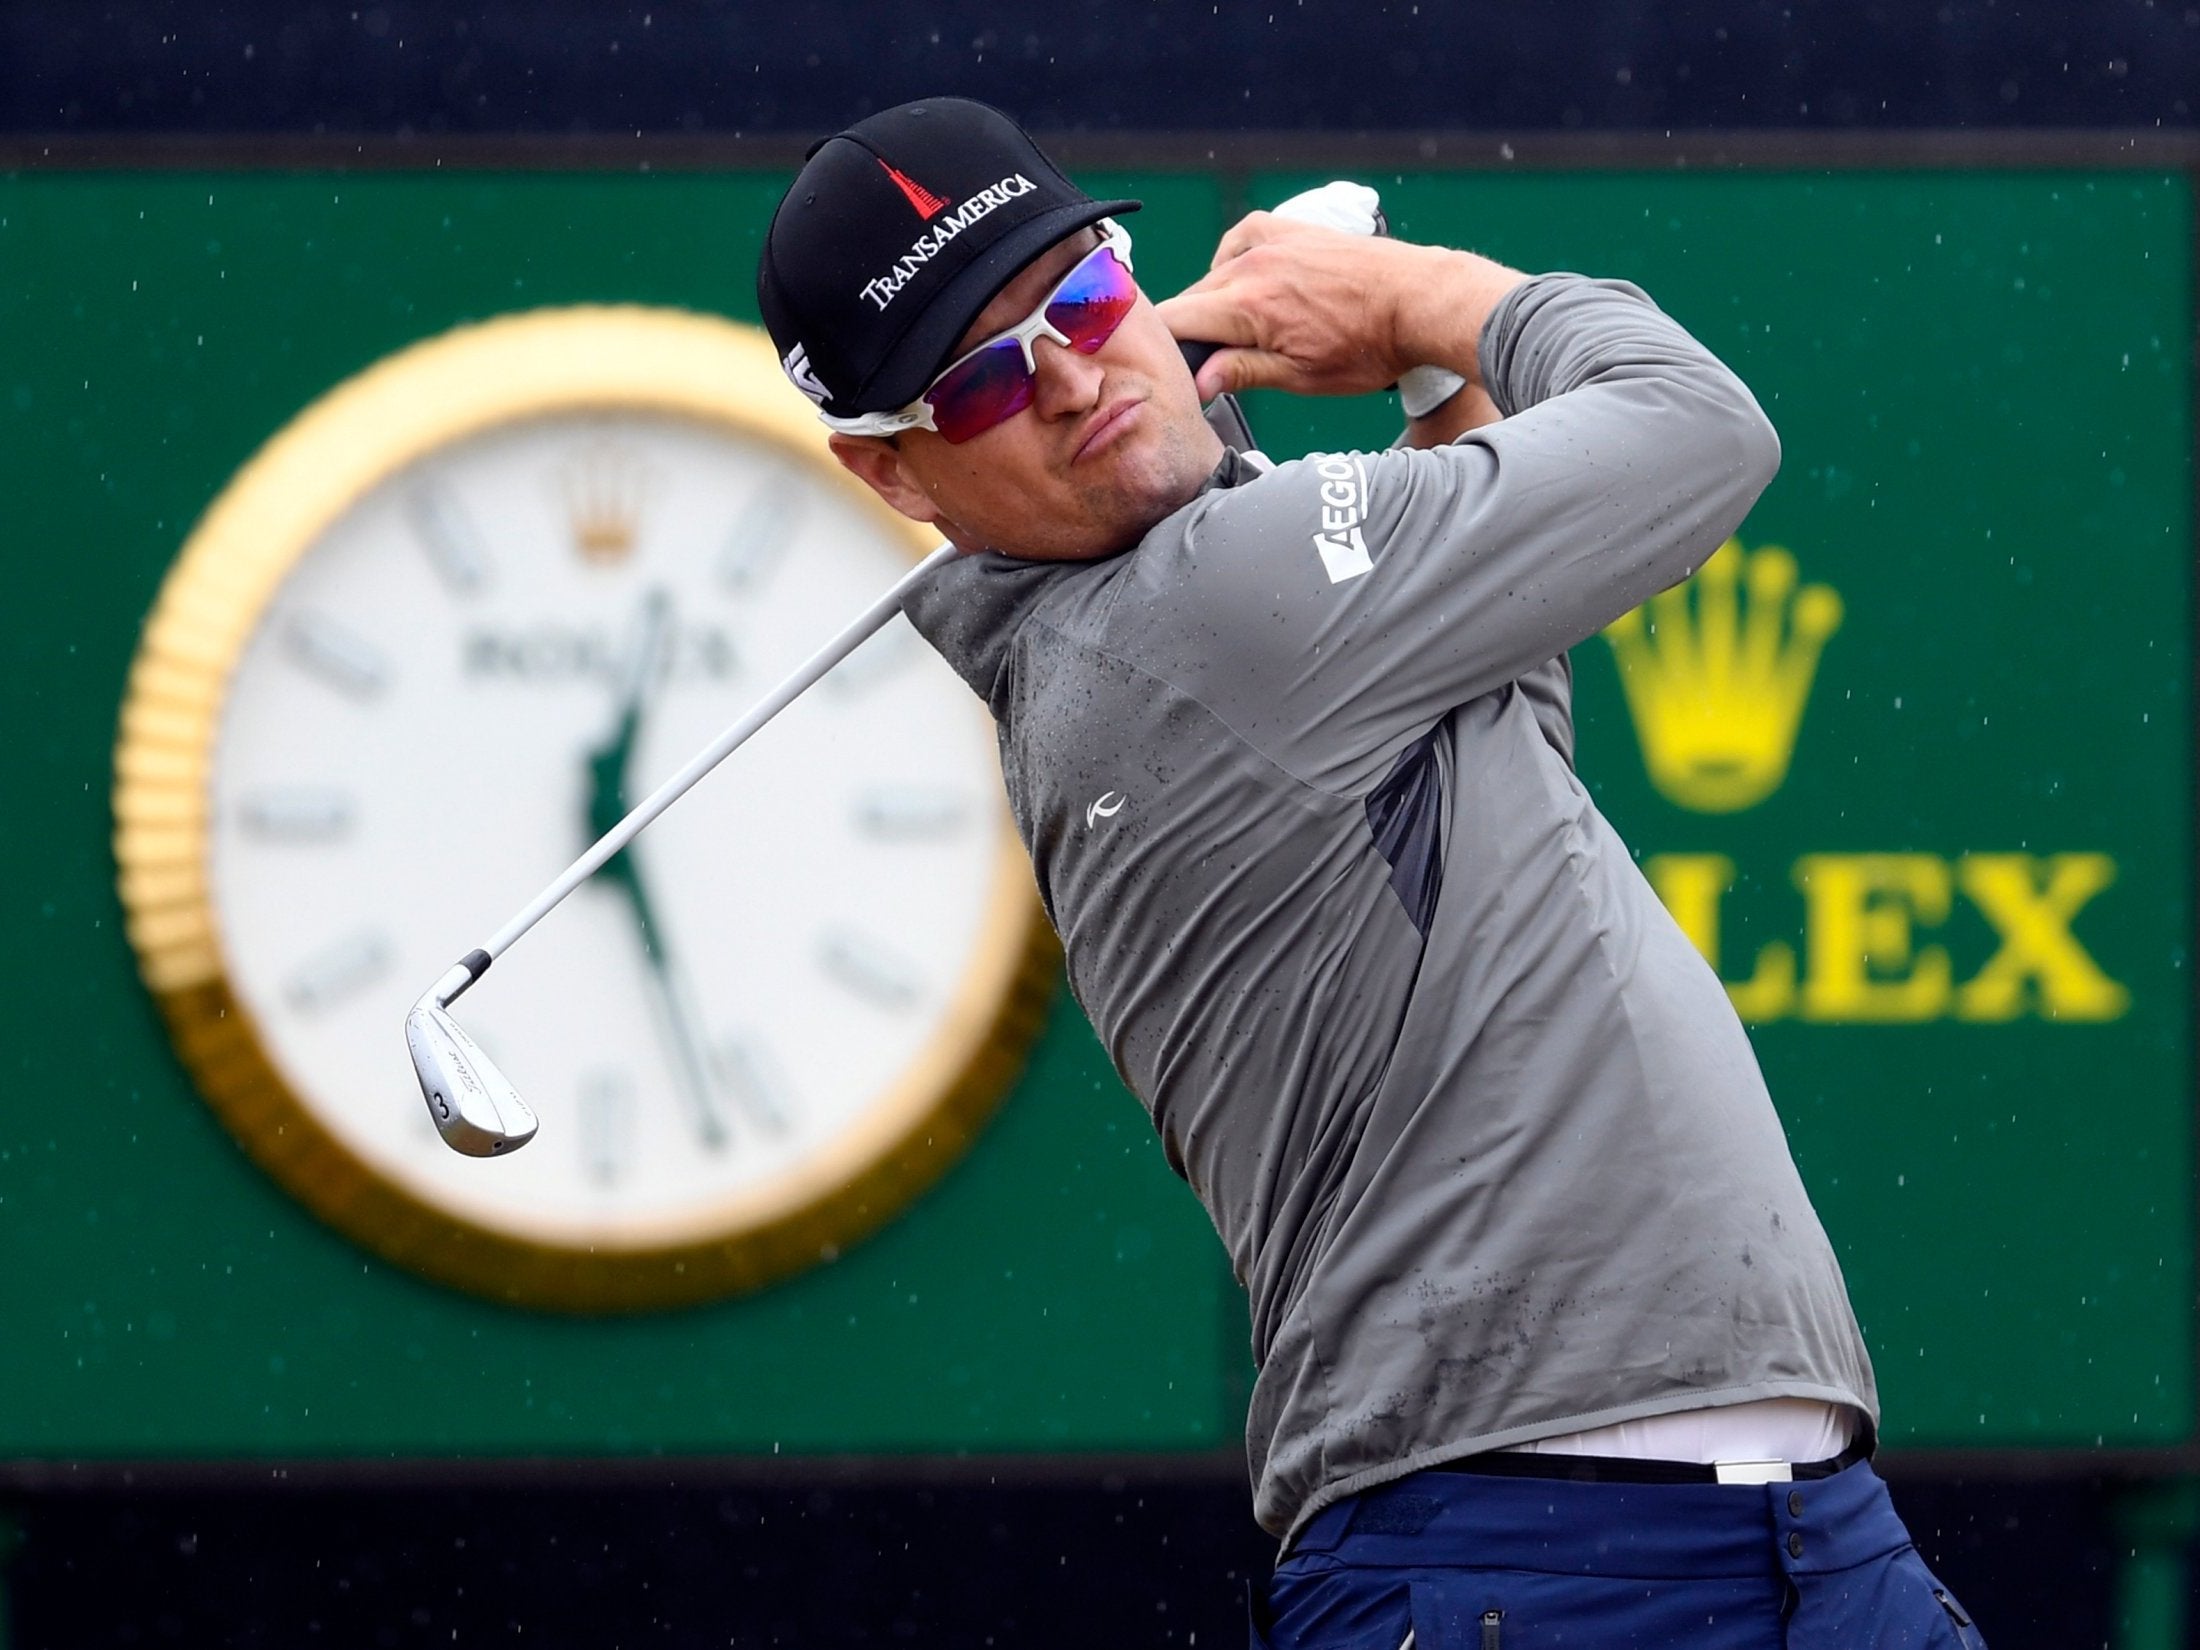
[[1911, 760]]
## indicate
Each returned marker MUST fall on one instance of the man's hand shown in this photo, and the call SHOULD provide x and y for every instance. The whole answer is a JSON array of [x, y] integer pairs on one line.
[[1320, 312]]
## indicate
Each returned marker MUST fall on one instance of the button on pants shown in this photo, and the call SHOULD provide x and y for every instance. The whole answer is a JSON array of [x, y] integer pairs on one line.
[[1457, 1561]]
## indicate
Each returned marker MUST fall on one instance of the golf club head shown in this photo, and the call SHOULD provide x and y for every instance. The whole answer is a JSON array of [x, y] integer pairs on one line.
[[475, 1110]]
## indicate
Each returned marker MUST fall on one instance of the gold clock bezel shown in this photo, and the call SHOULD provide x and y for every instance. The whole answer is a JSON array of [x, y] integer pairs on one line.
[[270, 515]]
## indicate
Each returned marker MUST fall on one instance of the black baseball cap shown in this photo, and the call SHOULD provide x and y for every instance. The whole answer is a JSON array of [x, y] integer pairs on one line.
[[895, 235]]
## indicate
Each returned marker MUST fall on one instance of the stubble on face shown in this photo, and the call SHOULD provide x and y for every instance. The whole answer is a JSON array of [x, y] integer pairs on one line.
[[1162, 467]]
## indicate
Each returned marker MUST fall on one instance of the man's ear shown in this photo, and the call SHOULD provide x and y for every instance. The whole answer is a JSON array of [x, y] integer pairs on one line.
[[878, 465]]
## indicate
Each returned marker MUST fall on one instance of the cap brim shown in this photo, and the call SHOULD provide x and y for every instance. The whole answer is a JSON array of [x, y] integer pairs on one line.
[[926, 347]]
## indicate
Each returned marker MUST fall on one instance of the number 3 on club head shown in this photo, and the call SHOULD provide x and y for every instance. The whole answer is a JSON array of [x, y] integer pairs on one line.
[[475, 1109]]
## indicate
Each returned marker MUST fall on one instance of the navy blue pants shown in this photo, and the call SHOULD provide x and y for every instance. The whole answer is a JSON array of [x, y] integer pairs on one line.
[[1466, 1562]]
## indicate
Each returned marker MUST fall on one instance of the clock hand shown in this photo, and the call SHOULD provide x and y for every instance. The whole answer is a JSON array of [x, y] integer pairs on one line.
[[668, 985], [607, 771], [476, 1109]]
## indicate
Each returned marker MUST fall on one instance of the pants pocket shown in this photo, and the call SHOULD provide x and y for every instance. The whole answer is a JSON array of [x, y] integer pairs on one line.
[[1493, 1633], [1512, 1610]]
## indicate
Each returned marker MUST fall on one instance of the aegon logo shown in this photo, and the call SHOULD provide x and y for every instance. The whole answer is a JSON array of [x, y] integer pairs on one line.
[[1344, 507], [883, 289]]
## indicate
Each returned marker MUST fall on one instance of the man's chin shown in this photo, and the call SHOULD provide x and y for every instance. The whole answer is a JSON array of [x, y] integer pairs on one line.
[[1109, 510], [1148, 485]]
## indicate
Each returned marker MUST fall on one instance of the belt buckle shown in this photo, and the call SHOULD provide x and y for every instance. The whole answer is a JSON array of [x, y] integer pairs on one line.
[[1753, 1472]]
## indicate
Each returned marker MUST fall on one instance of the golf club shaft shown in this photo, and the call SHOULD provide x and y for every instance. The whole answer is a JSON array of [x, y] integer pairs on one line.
[[865, 625]]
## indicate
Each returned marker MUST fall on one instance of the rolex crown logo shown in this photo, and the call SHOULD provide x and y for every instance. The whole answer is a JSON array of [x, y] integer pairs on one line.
[[1716, 672], [604, 485]]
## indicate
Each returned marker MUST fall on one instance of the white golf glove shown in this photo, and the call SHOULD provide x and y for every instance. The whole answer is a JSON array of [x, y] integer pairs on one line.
[[1358, 210]]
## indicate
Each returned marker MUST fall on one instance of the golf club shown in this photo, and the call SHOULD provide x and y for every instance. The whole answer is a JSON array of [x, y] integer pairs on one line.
[[475, 1107]]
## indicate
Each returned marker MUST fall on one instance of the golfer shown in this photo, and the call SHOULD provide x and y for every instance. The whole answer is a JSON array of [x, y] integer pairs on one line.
[[1552, 1347]]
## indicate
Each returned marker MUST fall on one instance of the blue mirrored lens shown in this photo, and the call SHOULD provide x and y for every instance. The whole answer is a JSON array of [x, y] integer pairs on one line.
[[1091, 304], [993, 382], [980, 390]]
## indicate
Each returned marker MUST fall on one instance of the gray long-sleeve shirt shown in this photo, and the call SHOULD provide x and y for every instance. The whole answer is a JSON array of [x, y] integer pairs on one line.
[[1486, 1142]]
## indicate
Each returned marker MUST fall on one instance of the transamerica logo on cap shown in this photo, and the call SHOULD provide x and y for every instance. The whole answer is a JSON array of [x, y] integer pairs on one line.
[[883, 289], [797, 363]]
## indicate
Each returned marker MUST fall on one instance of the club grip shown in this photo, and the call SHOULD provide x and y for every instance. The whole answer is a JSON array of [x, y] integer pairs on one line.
[[1195, 352]]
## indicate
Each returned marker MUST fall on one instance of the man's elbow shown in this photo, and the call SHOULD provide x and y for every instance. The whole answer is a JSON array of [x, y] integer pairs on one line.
[[1759, 445], [1734, 453], [1724, 455]]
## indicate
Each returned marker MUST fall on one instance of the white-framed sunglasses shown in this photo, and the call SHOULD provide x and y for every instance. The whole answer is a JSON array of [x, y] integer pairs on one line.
[[993, 381]]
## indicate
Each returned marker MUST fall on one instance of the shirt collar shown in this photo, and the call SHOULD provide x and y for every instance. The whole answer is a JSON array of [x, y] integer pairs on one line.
[[971, 609]]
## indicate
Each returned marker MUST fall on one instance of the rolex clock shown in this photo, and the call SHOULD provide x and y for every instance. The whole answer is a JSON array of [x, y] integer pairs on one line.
[[427, 645]]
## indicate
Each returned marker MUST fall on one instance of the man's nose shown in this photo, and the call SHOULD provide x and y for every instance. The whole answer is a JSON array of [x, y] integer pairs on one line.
[[1063, 382]]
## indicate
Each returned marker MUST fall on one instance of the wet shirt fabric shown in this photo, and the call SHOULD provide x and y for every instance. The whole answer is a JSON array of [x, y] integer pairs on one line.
[[1486, 1142]]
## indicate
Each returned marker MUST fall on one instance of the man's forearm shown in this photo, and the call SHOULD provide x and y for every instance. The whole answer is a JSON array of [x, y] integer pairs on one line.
[[1442, 327], [1441, 314]]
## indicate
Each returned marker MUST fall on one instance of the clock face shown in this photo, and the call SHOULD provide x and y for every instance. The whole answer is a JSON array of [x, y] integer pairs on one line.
[[462, 677]]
